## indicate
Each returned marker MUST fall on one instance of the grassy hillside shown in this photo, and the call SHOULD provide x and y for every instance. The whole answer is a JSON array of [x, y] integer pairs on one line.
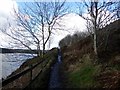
[[79, 67]]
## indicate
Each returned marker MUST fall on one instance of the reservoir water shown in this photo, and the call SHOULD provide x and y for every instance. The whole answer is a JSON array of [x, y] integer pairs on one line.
[[9, 62]]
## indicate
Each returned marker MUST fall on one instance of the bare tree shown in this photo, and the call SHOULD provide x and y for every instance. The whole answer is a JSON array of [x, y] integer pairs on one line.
[[49, 13], [98, 15], [118, 9], [35, 22]]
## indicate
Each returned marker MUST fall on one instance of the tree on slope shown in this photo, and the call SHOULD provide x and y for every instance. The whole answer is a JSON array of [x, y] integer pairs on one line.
[[97, 15]]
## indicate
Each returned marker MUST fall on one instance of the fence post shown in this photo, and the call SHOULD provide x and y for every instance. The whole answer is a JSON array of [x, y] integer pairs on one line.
[[30, 73]]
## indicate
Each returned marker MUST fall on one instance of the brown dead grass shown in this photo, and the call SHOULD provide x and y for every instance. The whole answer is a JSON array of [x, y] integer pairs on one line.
[[109, 59]]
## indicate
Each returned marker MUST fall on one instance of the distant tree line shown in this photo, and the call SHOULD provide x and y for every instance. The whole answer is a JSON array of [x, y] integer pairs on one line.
[[71, 39], [6, 50]]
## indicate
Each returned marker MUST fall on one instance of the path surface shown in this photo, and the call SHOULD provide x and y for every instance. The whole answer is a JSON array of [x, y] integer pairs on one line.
[[54, 76]]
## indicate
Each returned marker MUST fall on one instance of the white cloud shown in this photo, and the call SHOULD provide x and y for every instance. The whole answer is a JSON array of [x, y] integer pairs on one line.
[[6, 15], [72, 23], [6, 5]]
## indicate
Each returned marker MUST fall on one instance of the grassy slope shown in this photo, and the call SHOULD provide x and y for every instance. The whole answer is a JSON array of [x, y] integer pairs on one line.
[[80, 71]]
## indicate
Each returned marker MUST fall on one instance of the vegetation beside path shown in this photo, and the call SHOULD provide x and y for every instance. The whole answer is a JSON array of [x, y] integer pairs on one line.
[[80, 67]]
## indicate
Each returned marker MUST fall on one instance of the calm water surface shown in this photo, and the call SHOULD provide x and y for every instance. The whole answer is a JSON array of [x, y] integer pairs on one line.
[[12, 61]]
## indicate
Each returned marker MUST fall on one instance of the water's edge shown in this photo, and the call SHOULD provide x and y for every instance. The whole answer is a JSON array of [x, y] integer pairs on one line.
[[11, 62]]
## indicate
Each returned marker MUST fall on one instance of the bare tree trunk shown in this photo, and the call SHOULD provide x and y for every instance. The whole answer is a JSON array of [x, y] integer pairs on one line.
[[106, 41], [43, 38], [38, 49], [43, 49], [94, 14], [49, 31], [95, 33], [95, 43], [45, 41]]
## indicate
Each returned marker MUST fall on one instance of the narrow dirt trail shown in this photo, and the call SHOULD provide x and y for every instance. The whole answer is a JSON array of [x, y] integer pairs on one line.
[[55, 81]]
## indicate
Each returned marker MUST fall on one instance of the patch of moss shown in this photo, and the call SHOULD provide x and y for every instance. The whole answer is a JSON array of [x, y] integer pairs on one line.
[[84, 77]]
